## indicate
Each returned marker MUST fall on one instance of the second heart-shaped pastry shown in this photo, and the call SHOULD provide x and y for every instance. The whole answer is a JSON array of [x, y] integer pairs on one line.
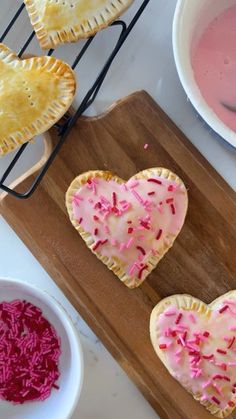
[[59, 21], [128, 225], [197, 344], [34, 94]]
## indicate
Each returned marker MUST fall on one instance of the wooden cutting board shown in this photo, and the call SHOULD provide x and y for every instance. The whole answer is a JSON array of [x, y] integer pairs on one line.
[[202, 261]]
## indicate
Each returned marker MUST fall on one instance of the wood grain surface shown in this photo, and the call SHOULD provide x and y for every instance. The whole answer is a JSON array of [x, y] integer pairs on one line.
[[202, 261]]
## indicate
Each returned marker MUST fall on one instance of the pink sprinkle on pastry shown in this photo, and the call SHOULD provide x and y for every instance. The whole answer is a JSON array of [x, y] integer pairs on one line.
[[202, 354], [128, 214]]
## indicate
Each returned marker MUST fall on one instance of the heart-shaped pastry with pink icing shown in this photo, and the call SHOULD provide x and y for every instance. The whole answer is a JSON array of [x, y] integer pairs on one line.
[[197, 344], [128, 225]]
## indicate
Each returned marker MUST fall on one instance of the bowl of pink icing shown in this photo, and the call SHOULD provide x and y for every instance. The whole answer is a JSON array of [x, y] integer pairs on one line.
[[204, 34]]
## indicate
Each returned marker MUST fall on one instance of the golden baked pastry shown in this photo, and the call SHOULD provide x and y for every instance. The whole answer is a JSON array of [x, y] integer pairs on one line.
[[34, 94], [197, 344], [60, 21], [128, 225]]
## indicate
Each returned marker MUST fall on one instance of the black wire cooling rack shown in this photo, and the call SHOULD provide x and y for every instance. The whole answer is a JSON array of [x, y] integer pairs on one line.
[[64, 127]]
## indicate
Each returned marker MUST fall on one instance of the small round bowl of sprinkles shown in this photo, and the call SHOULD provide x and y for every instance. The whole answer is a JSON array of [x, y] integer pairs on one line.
[[41, 360]]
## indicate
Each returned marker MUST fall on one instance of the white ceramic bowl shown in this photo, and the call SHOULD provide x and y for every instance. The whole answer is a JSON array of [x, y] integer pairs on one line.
[[191, 19], [62, 403]]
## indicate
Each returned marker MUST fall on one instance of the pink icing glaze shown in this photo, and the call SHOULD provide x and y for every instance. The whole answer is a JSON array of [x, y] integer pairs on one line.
[[127, 217], [214, 65], [202, 357]]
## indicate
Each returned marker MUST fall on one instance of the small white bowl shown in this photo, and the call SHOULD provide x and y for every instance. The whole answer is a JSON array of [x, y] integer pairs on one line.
[[62, 403], [191, 19]]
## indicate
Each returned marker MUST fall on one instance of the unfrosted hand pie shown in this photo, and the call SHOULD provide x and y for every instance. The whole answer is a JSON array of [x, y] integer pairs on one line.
[[60, 21], [34, 94], [197, 344], [128, 225]]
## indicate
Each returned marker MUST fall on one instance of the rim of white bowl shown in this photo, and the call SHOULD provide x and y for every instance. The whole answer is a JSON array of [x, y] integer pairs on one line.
[[201, 106], [72, 332]]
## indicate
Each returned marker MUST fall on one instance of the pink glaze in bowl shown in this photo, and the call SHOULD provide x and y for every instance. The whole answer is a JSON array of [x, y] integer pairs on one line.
[[190, 21]]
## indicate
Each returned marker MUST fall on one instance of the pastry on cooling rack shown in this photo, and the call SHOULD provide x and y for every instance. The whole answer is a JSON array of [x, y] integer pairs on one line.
[[34, 94], [60, 21], [197, 344], [128, 225]]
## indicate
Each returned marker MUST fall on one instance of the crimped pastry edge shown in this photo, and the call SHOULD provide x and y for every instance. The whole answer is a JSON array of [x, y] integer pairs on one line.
[[131, 282], [85, 29], [57, 109], [187, 302]]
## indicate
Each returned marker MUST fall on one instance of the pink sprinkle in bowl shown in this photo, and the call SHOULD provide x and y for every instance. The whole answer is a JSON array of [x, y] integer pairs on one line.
[[62, 403], [190, 20]]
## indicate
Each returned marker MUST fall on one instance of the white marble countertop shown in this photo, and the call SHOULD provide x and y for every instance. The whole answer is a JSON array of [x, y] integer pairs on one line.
[[145, 62]]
